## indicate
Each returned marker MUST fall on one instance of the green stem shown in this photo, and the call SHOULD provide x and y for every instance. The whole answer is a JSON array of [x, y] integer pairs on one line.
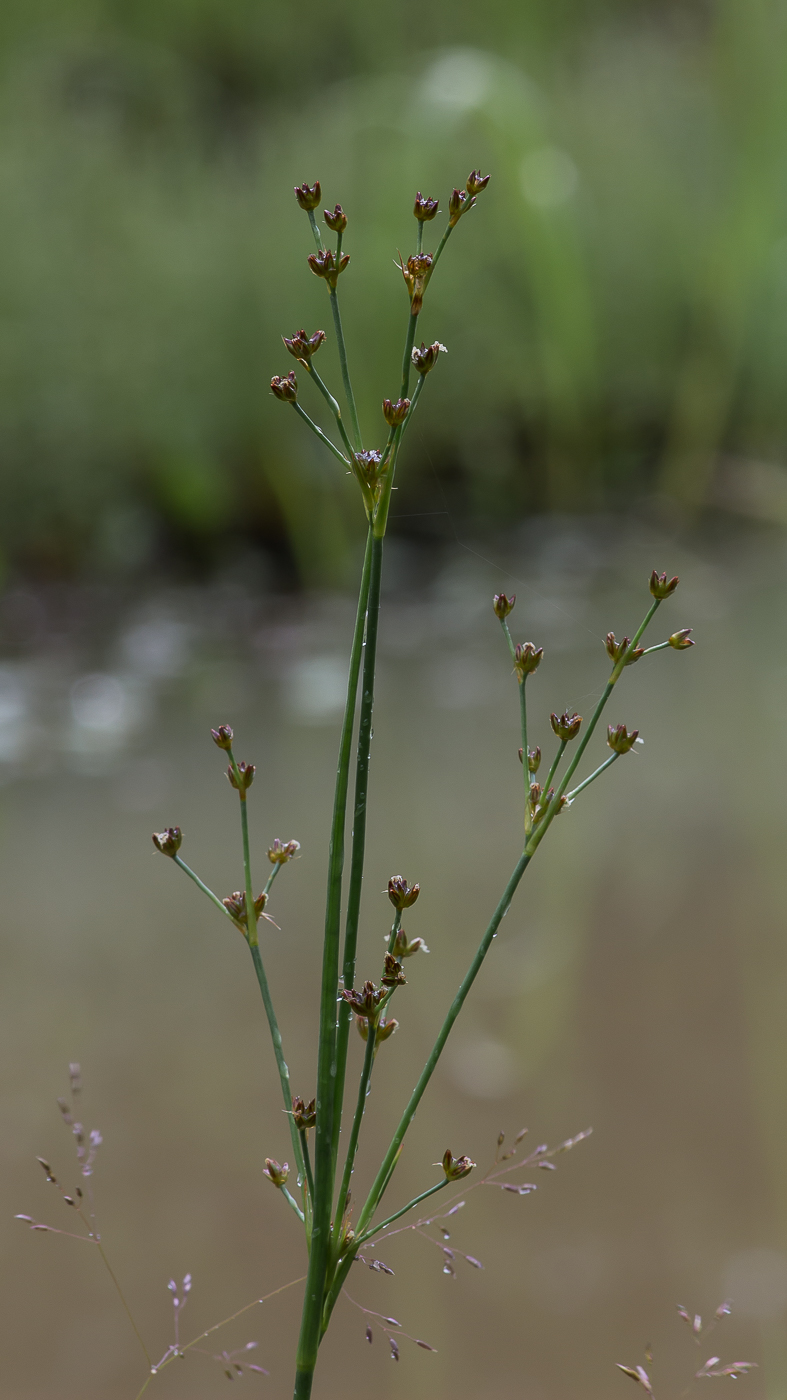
[[315, 230], [413, 403], [181, 864], [272, 876], [407, 360], [355, 1132], [395, 927], [359, 830], [281, 1063], [541, 830], [561, 748], [309, 1339], [416, 1201], [292, 1202], [593, 776], [458, 1002], [419, 247], [658, 647], [523, 718], [307, 1162], [320, 434], [332, 404], [348, 390], [446, 235]]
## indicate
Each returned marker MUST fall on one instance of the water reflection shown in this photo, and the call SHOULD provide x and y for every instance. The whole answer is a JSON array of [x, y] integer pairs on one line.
[[638, 984]]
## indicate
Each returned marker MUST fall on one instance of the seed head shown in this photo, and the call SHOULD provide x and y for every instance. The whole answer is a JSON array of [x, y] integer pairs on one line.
[[308, 196], [425, 357], [400, 893], [223, 736], [527, 659], [365, 1002], [566, 726], [336, 220], [304, 1115], [659, 586], [503, 605], [456, 1167], [395, 413], [681, 640], [303, 346], [277, 1172], [534, 759], [619, 739], [617, 649], [324, 264], [245, 776], [392, 973], [416, 275], [476, 182], [168, 841], [285, 389], [282, 851], [425, 208]]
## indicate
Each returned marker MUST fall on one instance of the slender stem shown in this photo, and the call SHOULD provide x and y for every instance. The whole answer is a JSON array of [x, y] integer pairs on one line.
[[561, 748], [395, 927], [348, 390], [359, 831], [272, 876], [526, 770], [292, 1202], [307, 1161], [355, 1131], [419, 248], [449, 228], [181, 864], [320, 434], [110, 1271], [658, 647], [508, 637], [593, 776], [413, 402], [416, 1201], [281, 1063], [407, 360], [309, 1339], [456, 1006], [315, 230], [332, 404], [540, 832]]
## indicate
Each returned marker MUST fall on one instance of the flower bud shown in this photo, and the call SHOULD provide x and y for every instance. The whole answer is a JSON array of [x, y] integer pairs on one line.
[[534, 759], [285, 389], [223, 736], [323, 264], [503, 605], [425, 208], [406, 948], [619, 739], [527, 659], [235, 905], [395, 413], [458, 204], [681, 640], [365, 1002], [308, 196], [168, 841], [392, 973], [303, 346], [336, 220], [659, 586], [276, 1171], [476, 182], [245, 776], [282, 851], [416, 275], [566, 726], [615, 650], [456, 1167], [400, 893], [368, 467], [425, 357], [304, 1115], [385, 1029]]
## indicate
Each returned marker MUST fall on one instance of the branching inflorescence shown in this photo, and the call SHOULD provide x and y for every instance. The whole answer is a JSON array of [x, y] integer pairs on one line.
[[339, 1231]]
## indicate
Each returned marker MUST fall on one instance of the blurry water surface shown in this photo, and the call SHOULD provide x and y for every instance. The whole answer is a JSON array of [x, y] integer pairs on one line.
[[638, 984]]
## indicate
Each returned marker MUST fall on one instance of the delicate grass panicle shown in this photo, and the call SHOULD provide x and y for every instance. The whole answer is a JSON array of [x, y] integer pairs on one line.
[[326, 1116]]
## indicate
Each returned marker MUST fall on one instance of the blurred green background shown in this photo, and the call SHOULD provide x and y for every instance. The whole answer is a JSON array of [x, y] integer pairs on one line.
[[615, 311], [176, 552]]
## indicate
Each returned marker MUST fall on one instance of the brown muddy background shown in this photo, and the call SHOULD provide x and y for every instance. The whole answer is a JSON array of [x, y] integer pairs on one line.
[[638, 983]]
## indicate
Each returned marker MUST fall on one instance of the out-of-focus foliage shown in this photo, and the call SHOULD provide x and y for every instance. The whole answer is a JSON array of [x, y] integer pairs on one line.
[[615, 312]]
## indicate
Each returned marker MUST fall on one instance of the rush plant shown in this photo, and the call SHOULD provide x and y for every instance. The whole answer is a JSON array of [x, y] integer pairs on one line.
[[338, 1229]]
